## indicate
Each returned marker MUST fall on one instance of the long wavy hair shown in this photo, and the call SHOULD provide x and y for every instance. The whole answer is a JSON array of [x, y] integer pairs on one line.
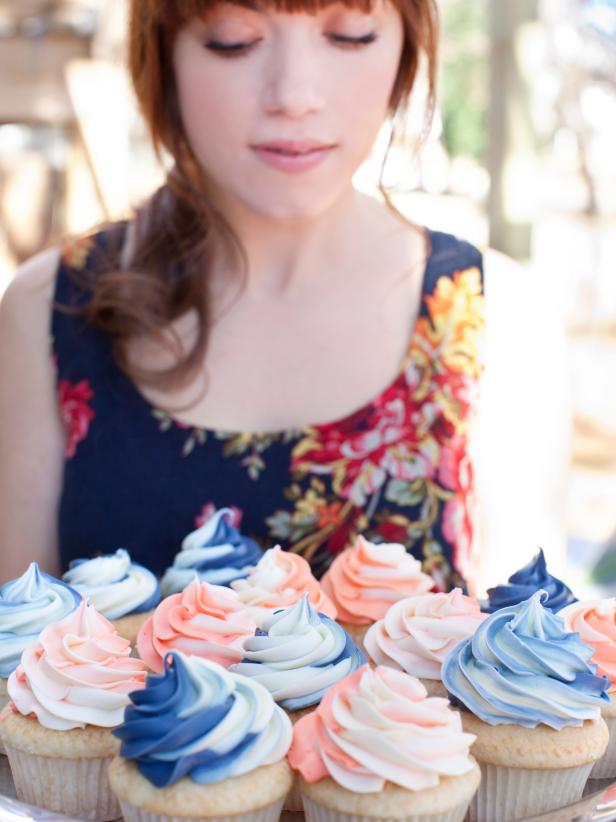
[[177, 232]]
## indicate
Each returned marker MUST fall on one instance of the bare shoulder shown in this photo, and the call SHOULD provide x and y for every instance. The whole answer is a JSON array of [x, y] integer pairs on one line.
[[32, 287]]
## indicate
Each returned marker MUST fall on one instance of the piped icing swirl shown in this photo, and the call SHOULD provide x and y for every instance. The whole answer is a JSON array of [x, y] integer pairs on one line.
[[27, 605], [524, 583], [366, 579], [522, 667], [595, 622], [417, 633], [216, 551], [80, 672], [205, 620], [377, 726], [298, 655], [279, 580], [114, 585], [199, 720]]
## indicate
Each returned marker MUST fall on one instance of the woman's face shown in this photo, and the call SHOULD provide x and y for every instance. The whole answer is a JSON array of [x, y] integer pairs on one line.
[[280, 109]]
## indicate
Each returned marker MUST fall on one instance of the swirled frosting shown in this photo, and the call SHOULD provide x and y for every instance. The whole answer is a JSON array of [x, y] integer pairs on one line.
[[366, 579], [205, 620], [298, 655], [595, 622], [79, 673], [114, 585], [524, 583], [522, 667], [377, 726], [217, 552], [279, 580], [196, 719], [27, 605], [417, 633]]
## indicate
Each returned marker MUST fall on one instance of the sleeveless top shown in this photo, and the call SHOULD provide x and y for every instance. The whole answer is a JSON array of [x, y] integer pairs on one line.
[[395, 470]]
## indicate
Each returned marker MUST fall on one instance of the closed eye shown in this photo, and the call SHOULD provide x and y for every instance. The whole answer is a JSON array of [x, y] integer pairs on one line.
[[343, 40]]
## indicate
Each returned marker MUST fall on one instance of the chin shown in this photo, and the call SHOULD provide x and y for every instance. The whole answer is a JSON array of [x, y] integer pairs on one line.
[[292, 211]]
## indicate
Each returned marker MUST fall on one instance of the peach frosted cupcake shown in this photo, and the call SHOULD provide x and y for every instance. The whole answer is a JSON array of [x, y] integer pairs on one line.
[[204, 620], [378, 747], [595, 622], [279, 580], [417, 633], [366, 579], [69, 691]]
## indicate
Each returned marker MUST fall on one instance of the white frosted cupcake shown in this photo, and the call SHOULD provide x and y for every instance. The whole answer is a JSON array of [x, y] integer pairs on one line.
[[378, 747], [121, 590], [68, 692], [595, 622], [202, 743], [417, 633]]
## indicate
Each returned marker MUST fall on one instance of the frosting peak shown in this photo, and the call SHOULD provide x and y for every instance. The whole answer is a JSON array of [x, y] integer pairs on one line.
[[366, 579], [298, 655], [595, 622], [522, 667], [79, 673], [216, 551], [524, 583], [377, 726]]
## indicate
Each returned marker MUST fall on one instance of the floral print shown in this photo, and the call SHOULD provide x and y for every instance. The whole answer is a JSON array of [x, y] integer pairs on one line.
[[75, 412]]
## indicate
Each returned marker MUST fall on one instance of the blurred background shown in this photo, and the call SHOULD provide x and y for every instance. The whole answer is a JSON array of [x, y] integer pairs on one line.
[[522, 155]]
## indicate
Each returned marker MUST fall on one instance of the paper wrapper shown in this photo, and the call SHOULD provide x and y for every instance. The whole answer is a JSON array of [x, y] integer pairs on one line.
[[605, 768], [7, 786], [269, 814], [75, 787], [4, 699], [319, 813], [515, 793]]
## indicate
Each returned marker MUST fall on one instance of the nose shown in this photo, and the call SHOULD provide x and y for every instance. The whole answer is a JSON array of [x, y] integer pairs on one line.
[[293, 81]]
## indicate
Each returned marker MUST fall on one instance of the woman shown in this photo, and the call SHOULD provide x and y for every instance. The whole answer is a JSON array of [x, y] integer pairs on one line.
[[260, 335]]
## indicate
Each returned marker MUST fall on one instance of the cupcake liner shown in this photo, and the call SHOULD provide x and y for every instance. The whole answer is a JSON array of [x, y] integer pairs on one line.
[[293, 800], [7, 785], [270, 813], [319, 813], [75, 787], [508, 794], [606, 766], [4, 700]]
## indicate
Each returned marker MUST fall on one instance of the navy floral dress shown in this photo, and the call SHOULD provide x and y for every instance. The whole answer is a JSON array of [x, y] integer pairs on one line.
[[395, 470]]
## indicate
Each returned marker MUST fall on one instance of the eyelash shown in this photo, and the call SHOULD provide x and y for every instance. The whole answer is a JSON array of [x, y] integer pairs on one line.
[[239, 49]]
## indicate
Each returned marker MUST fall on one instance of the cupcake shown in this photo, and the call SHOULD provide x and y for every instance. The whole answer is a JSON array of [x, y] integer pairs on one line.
[[201, 742], [379, 747], [524, 583], [365, 580], [119, 589], [534, 703], [216, 551], [205, 620], [279, 580], [69, 691], [595, 622], [417, 633]]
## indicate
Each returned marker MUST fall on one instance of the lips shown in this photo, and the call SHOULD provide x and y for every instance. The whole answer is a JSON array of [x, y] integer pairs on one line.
[[293, 148]]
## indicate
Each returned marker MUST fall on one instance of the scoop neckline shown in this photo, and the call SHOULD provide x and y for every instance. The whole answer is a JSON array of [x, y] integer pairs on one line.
[[181, 425]]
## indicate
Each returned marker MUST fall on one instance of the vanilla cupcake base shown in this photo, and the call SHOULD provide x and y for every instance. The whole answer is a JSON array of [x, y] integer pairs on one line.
[[293, 800], [434, 687], [326, 801], [7, 785], [605, 768], [356, 632], [4, 699], [130, 625], [257, 796]]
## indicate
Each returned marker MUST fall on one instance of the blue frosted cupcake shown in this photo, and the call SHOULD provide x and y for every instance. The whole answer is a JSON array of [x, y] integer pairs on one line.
[[216, 551], [200, 742], [123, 591], [527, 581], [530, 696]]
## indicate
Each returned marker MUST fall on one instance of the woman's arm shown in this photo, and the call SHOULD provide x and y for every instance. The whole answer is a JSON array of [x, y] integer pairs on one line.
[[31, 433], [521, 443]]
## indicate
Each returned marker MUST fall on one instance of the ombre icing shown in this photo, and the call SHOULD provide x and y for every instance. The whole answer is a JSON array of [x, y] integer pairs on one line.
[[524, 583], [27, 605], [217, 552], [523, 667], [199, 720], [298, 655], [595, 622], [205, 620], [378, 726], [365, 580], [279, 580], [114, 585], [417, 633], [79, 673]]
